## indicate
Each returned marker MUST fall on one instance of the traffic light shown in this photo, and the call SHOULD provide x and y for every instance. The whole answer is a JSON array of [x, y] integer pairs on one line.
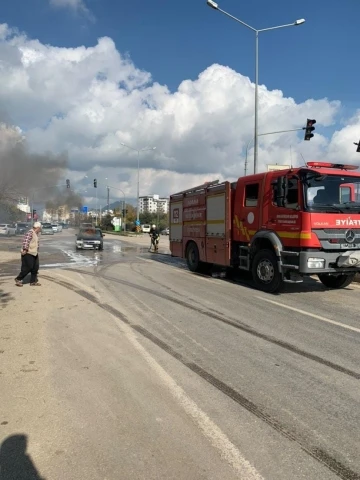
[[67, 183], [124, 212], [358, 146], [95, 183], [34, 213], [309, 129]]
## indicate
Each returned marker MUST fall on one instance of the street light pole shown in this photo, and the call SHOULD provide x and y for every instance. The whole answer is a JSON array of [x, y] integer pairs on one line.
[[215, 6], [138, 175], [138, 190], [261, 135], [256, 138], [124, 215]]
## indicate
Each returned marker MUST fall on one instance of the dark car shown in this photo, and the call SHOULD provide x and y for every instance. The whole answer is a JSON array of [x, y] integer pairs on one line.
[[89, 237], [22, 228]]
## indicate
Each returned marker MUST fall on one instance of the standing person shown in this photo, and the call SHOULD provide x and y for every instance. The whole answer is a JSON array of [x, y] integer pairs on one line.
[[30, 257]]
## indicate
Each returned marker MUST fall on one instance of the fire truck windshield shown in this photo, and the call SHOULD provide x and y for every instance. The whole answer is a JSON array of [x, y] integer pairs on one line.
[[334, 192]]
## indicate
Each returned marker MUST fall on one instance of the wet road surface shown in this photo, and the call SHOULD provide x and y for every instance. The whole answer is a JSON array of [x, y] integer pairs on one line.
[[271, 381], [58, 251]]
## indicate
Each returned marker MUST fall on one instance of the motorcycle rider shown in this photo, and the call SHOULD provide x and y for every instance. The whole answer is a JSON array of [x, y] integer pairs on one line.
[[154, 235]]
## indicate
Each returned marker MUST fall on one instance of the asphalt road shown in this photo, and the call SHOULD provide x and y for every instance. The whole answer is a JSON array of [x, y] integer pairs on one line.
[[239, 384]]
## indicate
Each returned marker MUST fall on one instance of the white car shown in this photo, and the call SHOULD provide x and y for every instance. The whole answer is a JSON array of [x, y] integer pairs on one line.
[[54, 226], [7, 229], [146, 228]]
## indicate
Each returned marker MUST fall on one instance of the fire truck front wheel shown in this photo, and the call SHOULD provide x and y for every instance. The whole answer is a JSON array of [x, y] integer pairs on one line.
[[265, 272], [336, 281]]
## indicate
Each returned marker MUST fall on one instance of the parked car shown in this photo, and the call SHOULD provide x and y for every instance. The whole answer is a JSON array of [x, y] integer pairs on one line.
[[89, 237], [146, 228], [46, 229], [166, 231], [7, 229], [22, 228], [55, 227]]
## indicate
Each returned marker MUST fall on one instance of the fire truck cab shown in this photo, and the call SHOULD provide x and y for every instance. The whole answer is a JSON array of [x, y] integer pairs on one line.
[[281, 226]]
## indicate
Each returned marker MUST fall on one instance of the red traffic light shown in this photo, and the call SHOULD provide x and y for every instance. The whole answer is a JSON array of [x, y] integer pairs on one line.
[[309, 128]]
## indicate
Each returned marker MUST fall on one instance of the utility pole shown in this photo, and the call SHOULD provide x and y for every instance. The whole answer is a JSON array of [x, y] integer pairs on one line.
[[108, 199]]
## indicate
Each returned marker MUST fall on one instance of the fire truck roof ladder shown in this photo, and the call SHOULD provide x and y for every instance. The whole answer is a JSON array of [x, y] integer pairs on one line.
[[196, 189]]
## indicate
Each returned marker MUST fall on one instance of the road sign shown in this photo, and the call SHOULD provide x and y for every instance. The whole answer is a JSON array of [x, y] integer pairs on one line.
[[84, 209], [137, 223]]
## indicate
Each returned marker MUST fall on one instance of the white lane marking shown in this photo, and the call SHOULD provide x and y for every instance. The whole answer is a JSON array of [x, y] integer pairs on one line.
[[313, 315], [228, 451]]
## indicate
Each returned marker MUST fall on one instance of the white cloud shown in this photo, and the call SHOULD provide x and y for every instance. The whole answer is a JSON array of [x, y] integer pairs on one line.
[[77, 6], [86, 101]]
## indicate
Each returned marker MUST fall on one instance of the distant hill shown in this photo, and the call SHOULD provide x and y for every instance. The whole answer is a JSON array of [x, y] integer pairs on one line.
[[119, 203]]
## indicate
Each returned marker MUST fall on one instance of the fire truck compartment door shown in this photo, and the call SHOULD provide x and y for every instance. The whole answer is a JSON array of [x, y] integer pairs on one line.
[[216, 241]]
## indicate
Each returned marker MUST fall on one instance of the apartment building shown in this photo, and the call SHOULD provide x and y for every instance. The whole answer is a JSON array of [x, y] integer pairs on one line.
[[151, 204]]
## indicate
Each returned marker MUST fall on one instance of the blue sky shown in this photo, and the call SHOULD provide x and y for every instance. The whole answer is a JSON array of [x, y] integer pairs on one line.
[[177, 40], [201, 133]]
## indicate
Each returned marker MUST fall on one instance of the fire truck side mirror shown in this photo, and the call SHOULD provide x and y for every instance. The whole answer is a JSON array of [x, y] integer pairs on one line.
[[282, 191]]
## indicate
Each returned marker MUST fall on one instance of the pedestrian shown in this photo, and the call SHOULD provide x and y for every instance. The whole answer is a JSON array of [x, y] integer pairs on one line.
[[30, 257]]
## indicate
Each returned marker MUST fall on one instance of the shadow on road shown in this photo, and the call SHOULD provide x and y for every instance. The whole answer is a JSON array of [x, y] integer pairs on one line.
[[5, 298], [309, 285], [15, 463]]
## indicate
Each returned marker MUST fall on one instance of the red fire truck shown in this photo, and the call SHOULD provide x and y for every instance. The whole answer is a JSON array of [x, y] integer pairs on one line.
[[281, 226]]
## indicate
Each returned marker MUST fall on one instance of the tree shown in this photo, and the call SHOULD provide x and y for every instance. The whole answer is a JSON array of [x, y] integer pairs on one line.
[[9, 213], [106, 222], [147, 217], [161, 220], [131, 214]]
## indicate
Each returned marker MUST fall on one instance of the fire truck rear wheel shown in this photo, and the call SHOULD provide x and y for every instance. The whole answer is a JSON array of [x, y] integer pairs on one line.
[[193, 258], [336, 281], [265, 272]]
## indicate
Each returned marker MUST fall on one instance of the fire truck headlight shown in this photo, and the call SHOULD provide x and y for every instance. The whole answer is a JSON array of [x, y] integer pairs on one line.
[[316, 263]]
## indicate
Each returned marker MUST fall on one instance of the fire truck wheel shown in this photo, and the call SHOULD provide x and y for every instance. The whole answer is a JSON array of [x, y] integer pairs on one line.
[[265, 272], [336, 281], [193, 257]]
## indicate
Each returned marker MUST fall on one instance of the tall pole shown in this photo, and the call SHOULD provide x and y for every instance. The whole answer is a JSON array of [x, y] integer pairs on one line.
[[158, 214], [108, 199], [215, 6], [124, 202], [256, 140], [96, 209], [138, 190], [32, 207], [138, 175]]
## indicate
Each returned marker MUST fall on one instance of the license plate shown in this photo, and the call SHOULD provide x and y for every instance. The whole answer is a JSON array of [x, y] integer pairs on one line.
[[349, 245]]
